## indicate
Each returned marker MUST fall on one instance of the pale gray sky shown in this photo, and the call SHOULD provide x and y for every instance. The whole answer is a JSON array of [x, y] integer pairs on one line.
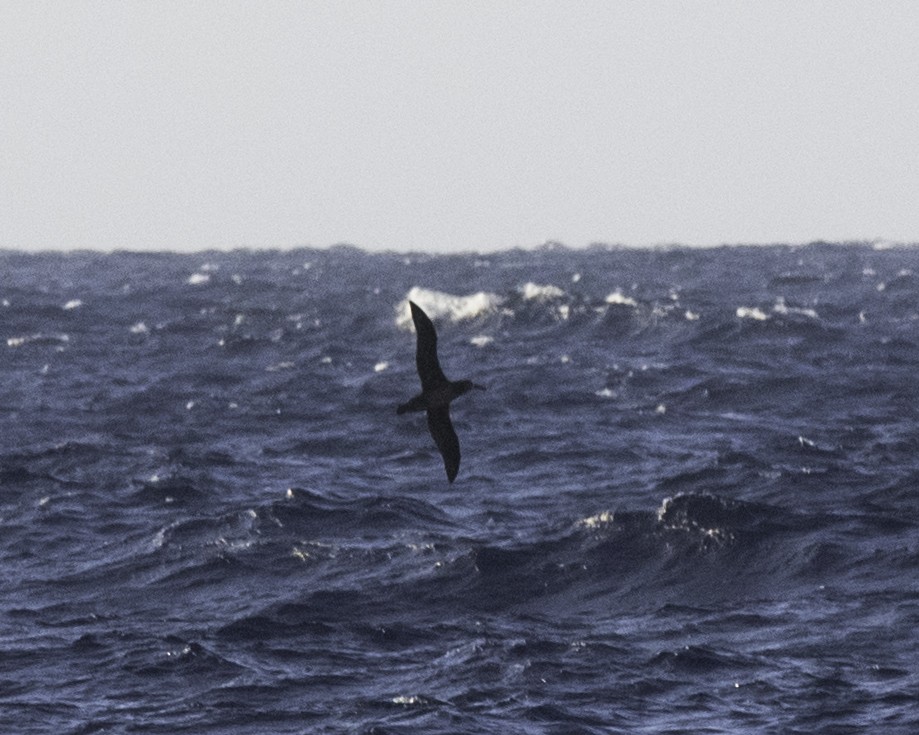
[[456, 125]]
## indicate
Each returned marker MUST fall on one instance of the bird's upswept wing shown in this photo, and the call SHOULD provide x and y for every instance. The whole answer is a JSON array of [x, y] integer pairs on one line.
[[426, 356]]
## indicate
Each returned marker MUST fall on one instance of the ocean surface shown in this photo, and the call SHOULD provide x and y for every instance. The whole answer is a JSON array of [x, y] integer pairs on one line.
[[688, 501]]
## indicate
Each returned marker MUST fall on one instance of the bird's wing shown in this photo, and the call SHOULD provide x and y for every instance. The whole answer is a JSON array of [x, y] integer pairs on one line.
[[445, 438], [426, 357]]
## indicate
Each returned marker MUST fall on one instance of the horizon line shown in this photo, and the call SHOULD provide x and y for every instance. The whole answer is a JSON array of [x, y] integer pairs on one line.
[[875, 243]]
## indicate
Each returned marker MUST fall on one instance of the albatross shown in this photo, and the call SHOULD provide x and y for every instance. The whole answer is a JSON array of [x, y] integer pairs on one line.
[[436, 392]]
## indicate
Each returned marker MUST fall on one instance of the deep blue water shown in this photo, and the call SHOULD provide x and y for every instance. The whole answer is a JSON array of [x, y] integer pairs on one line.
[[687, 502]]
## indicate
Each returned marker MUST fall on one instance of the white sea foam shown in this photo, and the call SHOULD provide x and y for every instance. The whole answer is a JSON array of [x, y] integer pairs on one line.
[[595, 521], [535, 292], [40, 338], [885, 245], [139, 328], [751, 312], [198, 279], [617, 297], [482, 340], [407, 700], [73, 304], [437, 304], [782, 308]]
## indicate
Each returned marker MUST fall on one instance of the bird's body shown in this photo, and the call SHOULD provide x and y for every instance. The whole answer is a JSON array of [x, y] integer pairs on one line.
[[436, 392]]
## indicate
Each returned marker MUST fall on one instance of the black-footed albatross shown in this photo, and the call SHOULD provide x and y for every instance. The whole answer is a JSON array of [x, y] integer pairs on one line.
[[436, 392]]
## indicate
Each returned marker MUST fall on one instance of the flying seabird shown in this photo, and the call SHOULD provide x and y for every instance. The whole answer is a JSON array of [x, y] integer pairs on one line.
[[436, 392]]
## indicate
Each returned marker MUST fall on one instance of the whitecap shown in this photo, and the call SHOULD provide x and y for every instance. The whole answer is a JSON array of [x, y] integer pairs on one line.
[[380, 366], [408, 700], [40, 338], [198, 279], [437, 304], [73, 304], [595, 521], [885, 245], [617, 297], [482, 340], [139, 328], [782, 308], [754, 312], [536, 292]]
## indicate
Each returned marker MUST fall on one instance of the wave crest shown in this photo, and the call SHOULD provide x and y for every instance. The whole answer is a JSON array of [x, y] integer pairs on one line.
[[438, 304]]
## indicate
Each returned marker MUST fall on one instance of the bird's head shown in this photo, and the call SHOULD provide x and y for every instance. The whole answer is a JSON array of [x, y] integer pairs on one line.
[[464, 386]]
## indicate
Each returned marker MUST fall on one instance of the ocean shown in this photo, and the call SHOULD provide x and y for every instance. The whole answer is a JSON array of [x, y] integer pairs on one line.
[[687, 501]]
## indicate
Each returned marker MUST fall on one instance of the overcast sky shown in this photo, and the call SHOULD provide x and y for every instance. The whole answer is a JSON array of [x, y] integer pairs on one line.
[[456, 125]]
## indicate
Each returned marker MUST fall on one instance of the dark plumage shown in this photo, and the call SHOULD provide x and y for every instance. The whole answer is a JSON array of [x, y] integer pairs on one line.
[[436, 392]]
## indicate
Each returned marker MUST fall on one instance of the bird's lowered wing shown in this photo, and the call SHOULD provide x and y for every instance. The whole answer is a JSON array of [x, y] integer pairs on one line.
[[445, 438]]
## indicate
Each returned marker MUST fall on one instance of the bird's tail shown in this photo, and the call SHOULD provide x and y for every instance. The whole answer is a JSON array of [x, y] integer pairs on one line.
[[416, 404]]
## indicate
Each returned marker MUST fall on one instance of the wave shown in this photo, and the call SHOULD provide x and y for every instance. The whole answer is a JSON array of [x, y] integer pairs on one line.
[[694, 549], [438, 305]]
